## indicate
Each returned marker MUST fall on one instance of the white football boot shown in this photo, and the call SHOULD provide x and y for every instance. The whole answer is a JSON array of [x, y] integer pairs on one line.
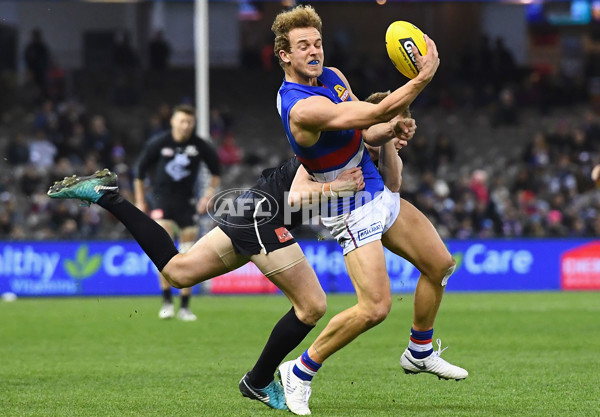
[[296, 391], [167, 311], [433, 364], [185, 314]]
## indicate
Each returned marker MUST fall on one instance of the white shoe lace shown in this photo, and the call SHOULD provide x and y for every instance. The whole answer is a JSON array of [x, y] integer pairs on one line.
[[440, 350], [301, 397], [305, 392]]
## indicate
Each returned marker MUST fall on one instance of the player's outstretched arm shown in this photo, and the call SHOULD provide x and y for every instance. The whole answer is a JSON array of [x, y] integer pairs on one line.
[[315, 114]]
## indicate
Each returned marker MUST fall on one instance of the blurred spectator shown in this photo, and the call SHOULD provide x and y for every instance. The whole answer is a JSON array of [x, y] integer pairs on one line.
[[229, 152], [37, 59], [124, 57], [506, 112], [154, 126], [503, 63], [555, 226], [160, 52], [561, 137], [68, 230], [99, 140], [126, 83], [443, 150], [591, 127], [30, 93], [74, 146], [18, 150], [44, 115], [164, 115], [62, 168], [70, 113], [579, 147], [90, 223], [538, 151], [41, 150], [417, 154], [217, 125], [56, 81], [511, 226], [62, 212], [6, 224], [478, 186], [267, 58], [31, 181]]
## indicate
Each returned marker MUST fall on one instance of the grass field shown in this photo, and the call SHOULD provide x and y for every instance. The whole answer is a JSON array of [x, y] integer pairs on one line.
[[528, 354]]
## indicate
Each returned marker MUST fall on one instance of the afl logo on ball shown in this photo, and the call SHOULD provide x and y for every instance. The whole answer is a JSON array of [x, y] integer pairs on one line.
[[408, 44]]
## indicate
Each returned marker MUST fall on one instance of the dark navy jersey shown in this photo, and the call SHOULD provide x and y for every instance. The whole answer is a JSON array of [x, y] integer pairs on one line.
[[270, 192], [176, 164]]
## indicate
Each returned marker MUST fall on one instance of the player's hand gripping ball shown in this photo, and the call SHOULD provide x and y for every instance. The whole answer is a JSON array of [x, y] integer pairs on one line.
[[400, 40]]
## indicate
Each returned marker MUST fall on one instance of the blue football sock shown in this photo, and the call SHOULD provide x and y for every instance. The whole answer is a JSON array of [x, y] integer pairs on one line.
[[305, 368], [420, 344]]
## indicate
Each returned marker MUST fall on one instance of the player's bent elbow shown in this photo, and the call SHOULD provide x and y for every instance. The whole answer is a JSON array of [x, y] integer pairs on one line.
[[394, 186]]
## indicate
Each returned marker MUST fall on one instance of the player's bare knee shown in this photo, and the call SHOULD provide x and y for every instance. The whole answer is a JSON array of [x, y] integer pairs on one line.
[[312, 313], [175, 274], [439, 272], [171, 279], [376, 313], [448, 271], [183, 280]]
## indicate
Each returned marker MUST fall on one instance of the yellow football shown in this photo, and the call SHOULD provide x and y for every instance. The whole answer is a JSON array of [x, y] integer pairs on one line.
[[400, 39]]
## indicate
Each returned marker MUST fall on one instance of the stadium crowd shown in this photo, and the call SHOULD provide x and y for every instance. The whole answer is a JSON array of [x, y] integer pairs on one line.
[[542, 188]]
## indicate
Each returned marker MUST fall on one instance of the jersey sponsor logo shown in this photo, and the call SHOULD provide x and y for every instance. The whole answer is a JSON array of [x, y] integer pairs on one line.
[[177, 167], [342, 92], [283, 234], [167, 152], [373, 229], [191, 150]]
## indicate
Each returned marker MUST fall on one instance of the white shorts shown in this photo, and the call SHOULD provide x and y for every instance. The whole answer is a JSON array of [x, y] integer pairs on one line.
[[366, 223]]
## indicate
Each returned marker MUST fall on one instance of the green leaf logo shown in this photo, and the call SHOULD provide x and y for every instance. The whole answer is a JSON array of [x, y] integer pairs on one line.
[[458, 258], [83, 266]]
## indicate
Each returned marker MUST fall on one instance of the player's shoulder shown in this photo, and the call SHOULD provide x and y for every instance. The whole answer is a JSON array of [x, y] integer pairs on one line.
[[336, 70], [203, 144], [159, 137], [201, 141], [339, 74]]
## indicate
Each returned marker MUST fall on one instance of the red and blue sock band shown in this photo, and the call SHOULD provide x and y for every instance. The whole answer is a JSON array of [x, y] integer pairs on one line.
[[305, 368], [420, 344]]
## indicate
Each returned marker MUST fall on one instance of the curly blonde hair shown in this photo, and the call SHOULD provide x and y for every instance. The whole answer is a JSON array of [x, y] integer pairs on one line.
[[298, 17]]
